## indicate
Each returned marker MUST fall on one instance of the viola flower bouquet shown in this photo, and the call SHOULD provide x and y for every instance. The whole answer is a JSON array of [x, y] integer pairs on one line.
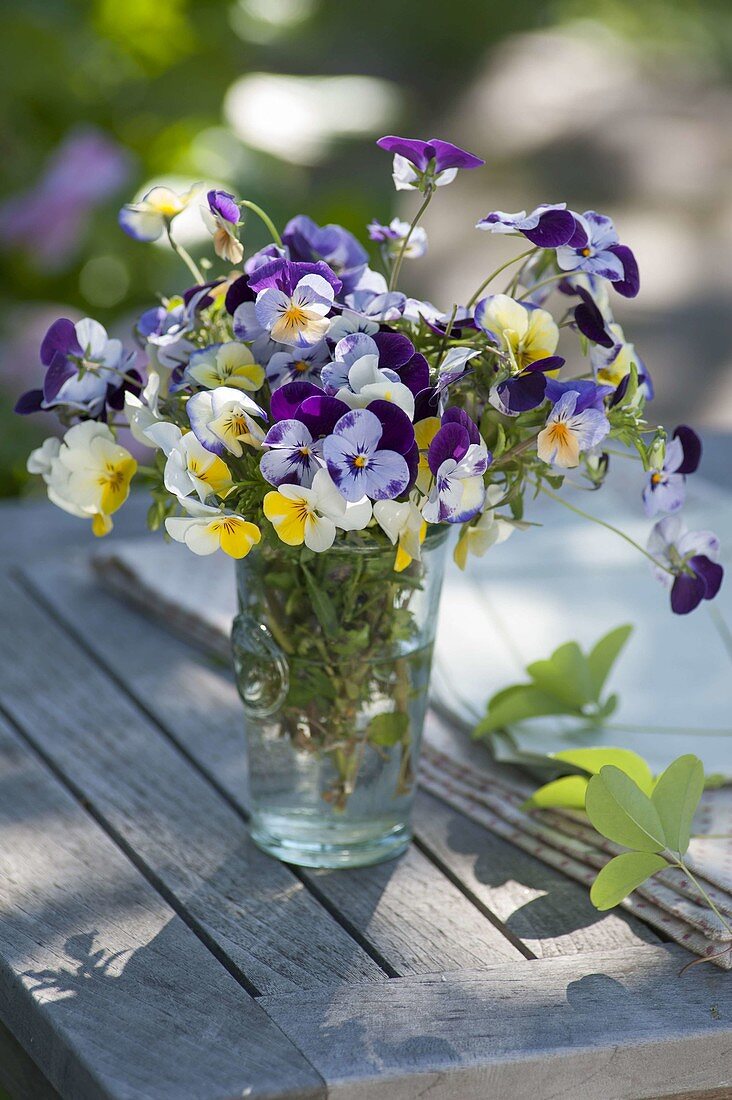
[[327, 431]]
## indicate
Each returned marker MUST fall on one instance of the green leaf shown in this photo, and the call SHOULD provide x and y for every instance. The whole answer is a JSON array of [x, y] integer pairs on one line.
[[566, 675], [622, 875], [604, 654], [592, 760], [516, 704], [322, 603], [388, 729], [676, 797], [567, 792], [619, 809]]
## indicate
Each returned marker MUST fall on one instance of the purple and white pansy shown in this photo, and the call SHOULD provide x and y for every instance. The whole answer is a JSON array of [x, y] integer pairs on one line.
[[574, 425], [549, 226], [595, 248], [86, 370], [457, 458], [665, 490], [686, 563], [304, 364], [293, 300], [221, 217], [421, 165], [366, 452]]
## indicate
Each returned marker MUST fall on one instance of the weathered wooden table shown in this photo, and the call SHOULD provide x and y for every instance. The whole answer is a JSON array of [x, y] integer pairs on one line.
[[148, 950]]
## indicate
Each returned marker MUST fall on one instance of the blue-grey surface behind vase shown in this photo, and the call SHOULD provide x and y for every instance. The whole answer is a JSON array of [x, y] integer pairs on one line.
[[333, 655]]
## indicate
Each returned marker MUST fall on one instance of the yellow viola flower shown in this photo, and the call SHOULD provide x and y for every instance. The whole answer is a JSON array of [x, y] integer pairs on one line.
[[190, 467], [230, 364], [527, 335], [308, 516], [90, 475], [146, 220], [403, 524], [206, 530]]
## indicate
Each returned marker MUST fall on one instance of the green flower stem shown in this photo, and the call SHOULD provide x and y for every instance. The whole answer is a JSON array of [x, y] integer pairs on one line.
[[400, 255], [545, 282], [682, 866], [184, 255], [603, 523], [264, 218], [521, 256], [517, 449]]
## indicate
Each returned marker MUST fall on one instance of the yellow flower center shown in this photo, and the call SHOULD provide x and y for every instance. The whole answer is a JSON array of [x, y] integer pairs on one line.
[[305, 452], [657, 478], [295, 316], [113, 477], [559, 433], [360, 461], [301, 366], [586, 252]]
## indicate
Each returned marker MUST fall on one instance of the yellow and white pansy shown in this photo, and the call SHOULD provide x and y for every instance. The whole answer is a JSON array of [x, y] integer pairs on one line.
[[190, 467], [88, 474], [146, 220], [404, 526], [611, 365], [223, 420], [311, 516], [230, 364], [524, 334], [205, 530], [490, 530]]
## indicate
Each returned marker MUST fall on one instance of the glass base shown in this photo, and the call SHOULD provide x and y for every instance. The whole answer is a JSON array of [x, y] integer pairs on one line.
[[306, 843]]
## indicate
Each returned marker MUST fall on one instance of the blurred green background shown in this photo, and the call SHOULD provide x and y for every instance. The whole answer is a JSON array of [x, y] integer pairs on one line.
[[620, 106]]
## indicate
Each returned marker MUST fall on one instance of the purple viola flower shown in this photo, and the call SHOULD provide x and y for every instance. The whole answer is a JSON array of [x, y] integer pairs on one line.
[[665, 490], [305, 240], [527, 389], [368, 368], [304, 364], [549, 226], [591, 321], [419, 165], [294, 300], [688, 563], [594, 248], [264, 256], [370, 298], [294, 457], [85, 370], [222, 219], [457, 459], [590, 395], [365, 453]]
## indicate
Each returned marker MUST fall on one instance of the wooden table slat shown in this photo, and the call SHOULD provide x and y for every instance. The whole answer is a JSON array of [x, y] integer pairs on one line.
[[193, 845], [600, 1026], [111, 992]]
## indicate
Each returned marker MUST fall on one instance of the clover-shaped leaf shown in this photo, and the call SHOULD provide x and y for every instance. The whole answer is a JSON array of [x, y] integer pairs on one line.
[[622, 812], [622, 875], [676, 797]]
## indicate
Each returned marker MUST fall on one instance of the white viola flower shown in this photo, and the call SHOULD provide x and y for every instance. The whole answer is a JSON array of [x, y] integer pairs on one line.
[[309, 516], [206, 530], [570, 431], [298, 318], [403, 524], [223, 420], [357, 379], [190, 467], [228, 364], [142, 412], [146, 220], [372, 298], [40, 461], [490, 530], [91, 474]]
